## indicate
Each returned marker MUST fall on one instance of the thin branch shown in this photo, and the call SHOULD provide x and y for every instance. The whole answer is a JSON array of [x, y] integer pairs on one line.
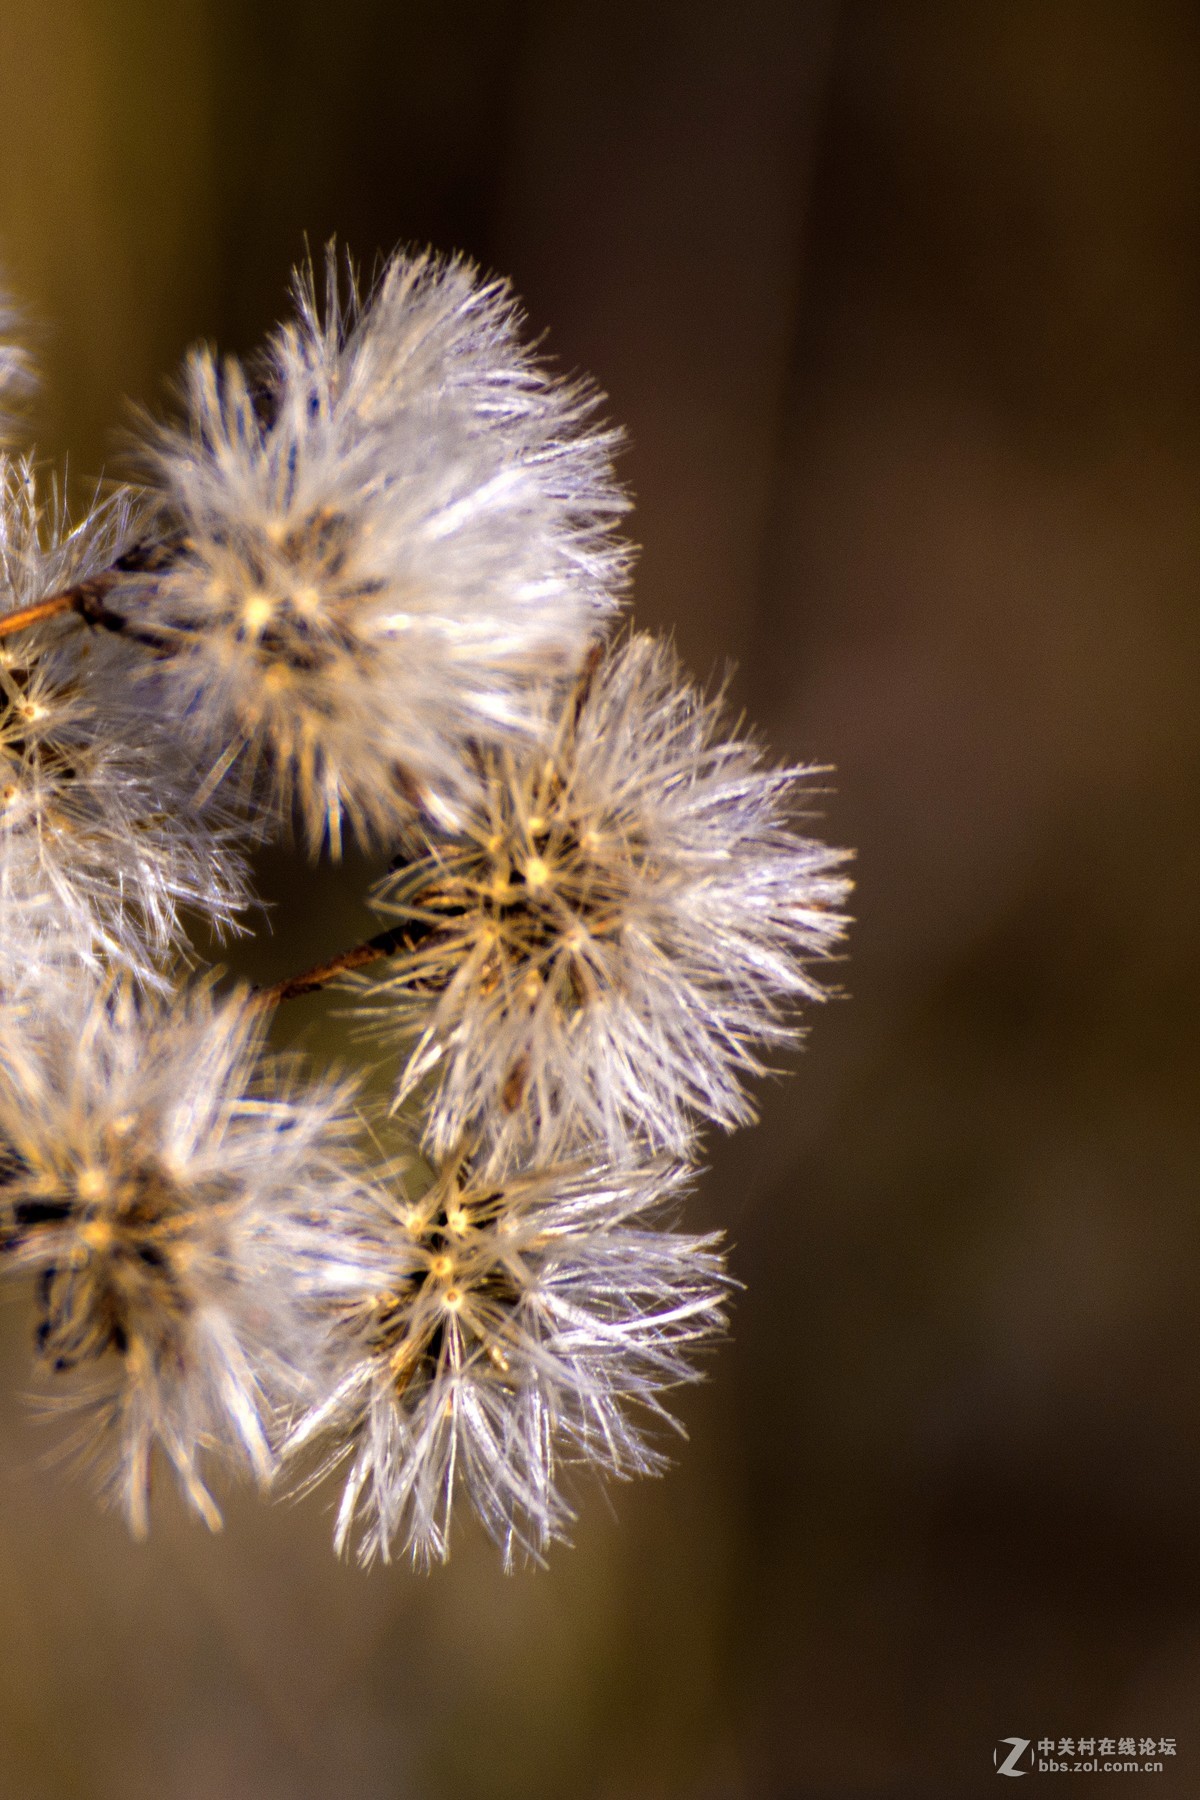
[[385, 943], [24, 616], [88, 598]]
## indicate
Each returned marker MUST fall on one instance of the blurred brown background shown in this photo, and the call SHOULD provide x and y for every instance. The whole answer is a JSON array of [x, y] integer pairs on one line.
[[900, 305]]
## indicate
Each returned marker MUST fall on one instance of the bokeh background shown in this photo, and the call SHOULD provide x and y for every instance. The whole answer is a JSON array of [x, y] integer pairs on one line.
[[899, 302]]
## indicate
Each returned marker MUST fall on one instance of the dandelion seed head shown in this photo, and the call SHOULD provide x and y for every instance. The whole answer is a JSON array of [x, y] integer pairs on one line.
[[629, 917], [384, 544], [97, 823], [148, 1151], [507, 1325]]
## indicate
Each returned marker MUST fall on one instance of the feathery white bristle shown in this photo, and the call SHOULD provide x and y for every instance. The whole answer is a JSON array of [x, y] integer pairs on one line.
[[386, 542], [150, 1156], [97, 823], [629, 917], [508, 1323]]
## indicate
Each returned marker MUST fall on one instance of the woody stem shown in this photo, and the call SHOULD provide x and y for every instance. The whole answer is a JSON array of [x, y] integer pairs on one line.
[[360, 956], [24, 616], [88, 599]]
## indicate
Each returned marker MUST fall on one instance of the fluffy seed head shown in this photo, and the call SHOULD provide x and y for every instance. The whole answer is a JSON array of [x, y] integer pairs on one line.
[[148, 1152], [506, 1323], [382, 544], [99, 835], [627, 917]]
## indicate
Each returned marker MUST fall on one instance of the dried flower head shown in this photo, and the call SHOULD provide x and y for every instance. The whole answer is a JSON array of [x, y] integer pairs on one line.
[[97, 822], [629, 915], [148, 1152], [506, 1323], [382, 545]]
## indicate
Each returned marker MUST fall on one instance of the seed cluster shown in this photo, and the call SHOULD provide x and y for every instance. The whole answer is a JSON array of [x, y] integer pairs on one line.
[[368, 591]]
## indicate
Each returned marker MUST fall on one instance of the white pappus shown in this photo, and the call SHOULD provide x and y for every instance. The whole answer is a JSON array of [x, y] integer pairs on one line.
[[507, 1323], [384, 539], [628, 917], [151, 1161], [99, 838]]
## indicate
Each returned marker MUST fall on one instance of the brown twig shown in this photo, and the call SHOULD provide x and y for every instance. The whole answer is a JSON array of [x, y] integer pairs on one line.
[[25, 616], [360, 956], [88, 598]]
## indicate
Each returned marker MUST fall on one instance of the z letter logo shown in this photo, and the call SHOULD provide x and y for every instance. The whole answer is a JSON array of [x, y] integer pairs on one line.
[[1008, 1766]]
